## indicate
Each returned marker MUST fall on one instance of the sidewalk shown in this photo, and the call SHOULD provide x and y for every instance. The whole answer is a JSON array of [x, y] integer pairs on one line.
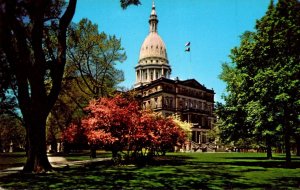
[[56, 162]]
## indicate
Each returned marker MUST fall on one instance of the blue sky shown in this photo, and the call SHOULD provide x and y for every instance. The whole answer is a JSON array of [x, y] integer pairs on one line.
[[212, 26]]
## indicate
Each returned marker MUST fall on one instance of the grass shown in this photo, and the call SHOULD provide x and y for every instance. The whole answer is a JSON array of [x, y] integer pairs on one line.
[[8, 160], [175, 171]]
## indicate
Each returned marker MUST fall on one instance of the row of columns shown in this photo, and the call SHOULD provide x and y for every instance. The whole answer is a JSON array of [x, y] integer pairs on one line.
[[144, 75], [199, 137]]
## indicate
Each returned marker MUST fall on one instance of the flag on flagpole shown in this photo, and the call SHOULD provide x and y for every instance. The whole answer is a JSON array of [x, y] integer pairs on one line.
[[187, 46]]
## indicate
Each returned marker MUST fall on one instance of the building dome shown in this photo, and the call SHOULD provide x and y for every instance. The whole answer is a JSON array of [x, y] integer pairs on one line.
[[153, 47], [153, 60]]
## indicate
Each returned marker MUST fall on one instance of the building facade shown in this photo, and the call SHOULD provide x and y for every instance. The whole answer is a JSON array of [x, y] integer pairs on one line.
[[189, 99]]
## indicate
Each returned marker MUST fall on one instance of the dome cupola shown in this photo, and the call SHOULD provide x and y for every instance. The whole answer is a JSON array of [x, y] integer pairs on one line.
[[153, 60]]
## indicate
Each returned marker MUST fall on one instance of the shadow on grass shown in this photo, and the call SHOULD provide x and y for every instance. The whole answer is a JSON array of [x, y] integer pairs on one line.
[[275, 162], [102, 175], [170, 172], [261, 158]]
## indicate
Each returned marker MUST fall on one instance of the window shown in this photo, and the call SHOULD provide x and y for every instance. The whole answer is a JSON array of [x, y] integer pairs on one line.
[[167, 102]]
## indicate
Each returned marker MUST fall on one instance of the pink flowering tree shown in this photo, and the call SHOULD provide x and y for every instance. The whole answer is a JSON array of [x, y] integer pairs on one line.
[[119, 125]]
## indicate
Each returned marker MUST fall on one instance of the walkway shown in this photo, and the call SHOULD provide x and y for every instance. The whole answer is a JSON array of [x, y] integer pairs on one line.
[[56, 162]]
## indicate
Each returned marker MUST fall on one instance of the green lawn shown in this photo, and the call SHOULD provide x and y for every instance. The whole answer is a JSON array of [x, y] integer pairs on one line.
[[176, 171]]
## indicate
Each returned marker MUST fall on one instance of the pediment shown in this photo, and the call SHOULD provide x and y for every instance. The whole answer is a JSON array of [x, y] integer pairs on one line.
[[193, 83]]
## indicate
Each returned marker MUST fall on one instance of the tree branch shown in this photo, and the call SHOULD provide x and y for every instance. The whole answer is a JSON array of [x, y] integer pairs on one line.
[[58, 70]]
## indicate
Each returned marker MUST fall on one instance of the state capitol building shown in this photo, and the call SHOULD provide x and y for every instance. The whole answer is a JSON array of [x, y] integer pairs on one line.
[[192, 101]]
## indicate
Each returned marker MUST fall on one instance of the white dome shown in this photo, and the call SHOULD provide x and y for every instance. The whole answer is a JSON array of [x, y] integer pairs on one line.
[[153, 46], [153, 61]]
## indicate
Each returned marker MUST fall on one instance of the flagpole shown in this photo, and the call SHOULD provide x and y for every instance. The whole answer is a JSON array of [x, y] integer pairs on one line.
[[188, 49], [190, 64]]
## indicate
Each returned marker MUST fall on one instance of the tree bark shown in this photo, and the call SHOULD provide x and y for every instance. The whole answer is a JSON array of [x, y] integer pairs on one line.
[[287, 139], [93, 151], [37, 160], [23, 47], [269, 147]]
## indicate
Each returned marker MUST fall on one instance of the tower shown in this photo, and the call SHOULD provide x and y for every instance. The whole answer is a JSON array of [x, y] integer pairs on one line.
[[155, 91], [153, 61]]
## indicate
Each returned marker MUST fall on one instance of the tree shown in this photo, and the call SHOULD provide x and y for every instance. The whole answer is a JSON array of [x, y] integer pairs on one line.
[[90, 73], [263, 101], [67, 109], [168, 135], [94, 55], [8, 102], [11, 131], [119, 125], [185, 126], [37, 62], [25, 29]]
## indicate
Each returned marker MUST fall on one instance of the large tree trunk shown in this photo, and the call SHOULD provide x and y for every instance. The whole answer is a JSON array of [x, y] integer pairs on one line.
[[287, 139], [269, 147], [37, 160], [24, 45], [93, 151]]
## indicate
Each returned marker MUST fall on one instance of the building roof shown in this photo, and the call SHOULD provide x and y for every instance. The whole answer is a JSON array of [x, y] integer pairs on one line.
[[153, 45], [192, 83]]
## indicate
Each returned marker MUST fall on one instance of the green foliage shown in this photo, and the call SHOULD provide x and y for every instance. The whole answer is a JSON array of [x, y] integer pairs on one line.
[[126, 3], [263, 79], [92, 57], [90, 73], [11, 131], [185, 126]]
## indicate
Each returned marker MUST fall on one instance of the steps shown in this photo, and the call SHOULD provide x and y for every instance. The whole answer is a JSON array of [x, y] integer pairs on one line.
[[203, 147]]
